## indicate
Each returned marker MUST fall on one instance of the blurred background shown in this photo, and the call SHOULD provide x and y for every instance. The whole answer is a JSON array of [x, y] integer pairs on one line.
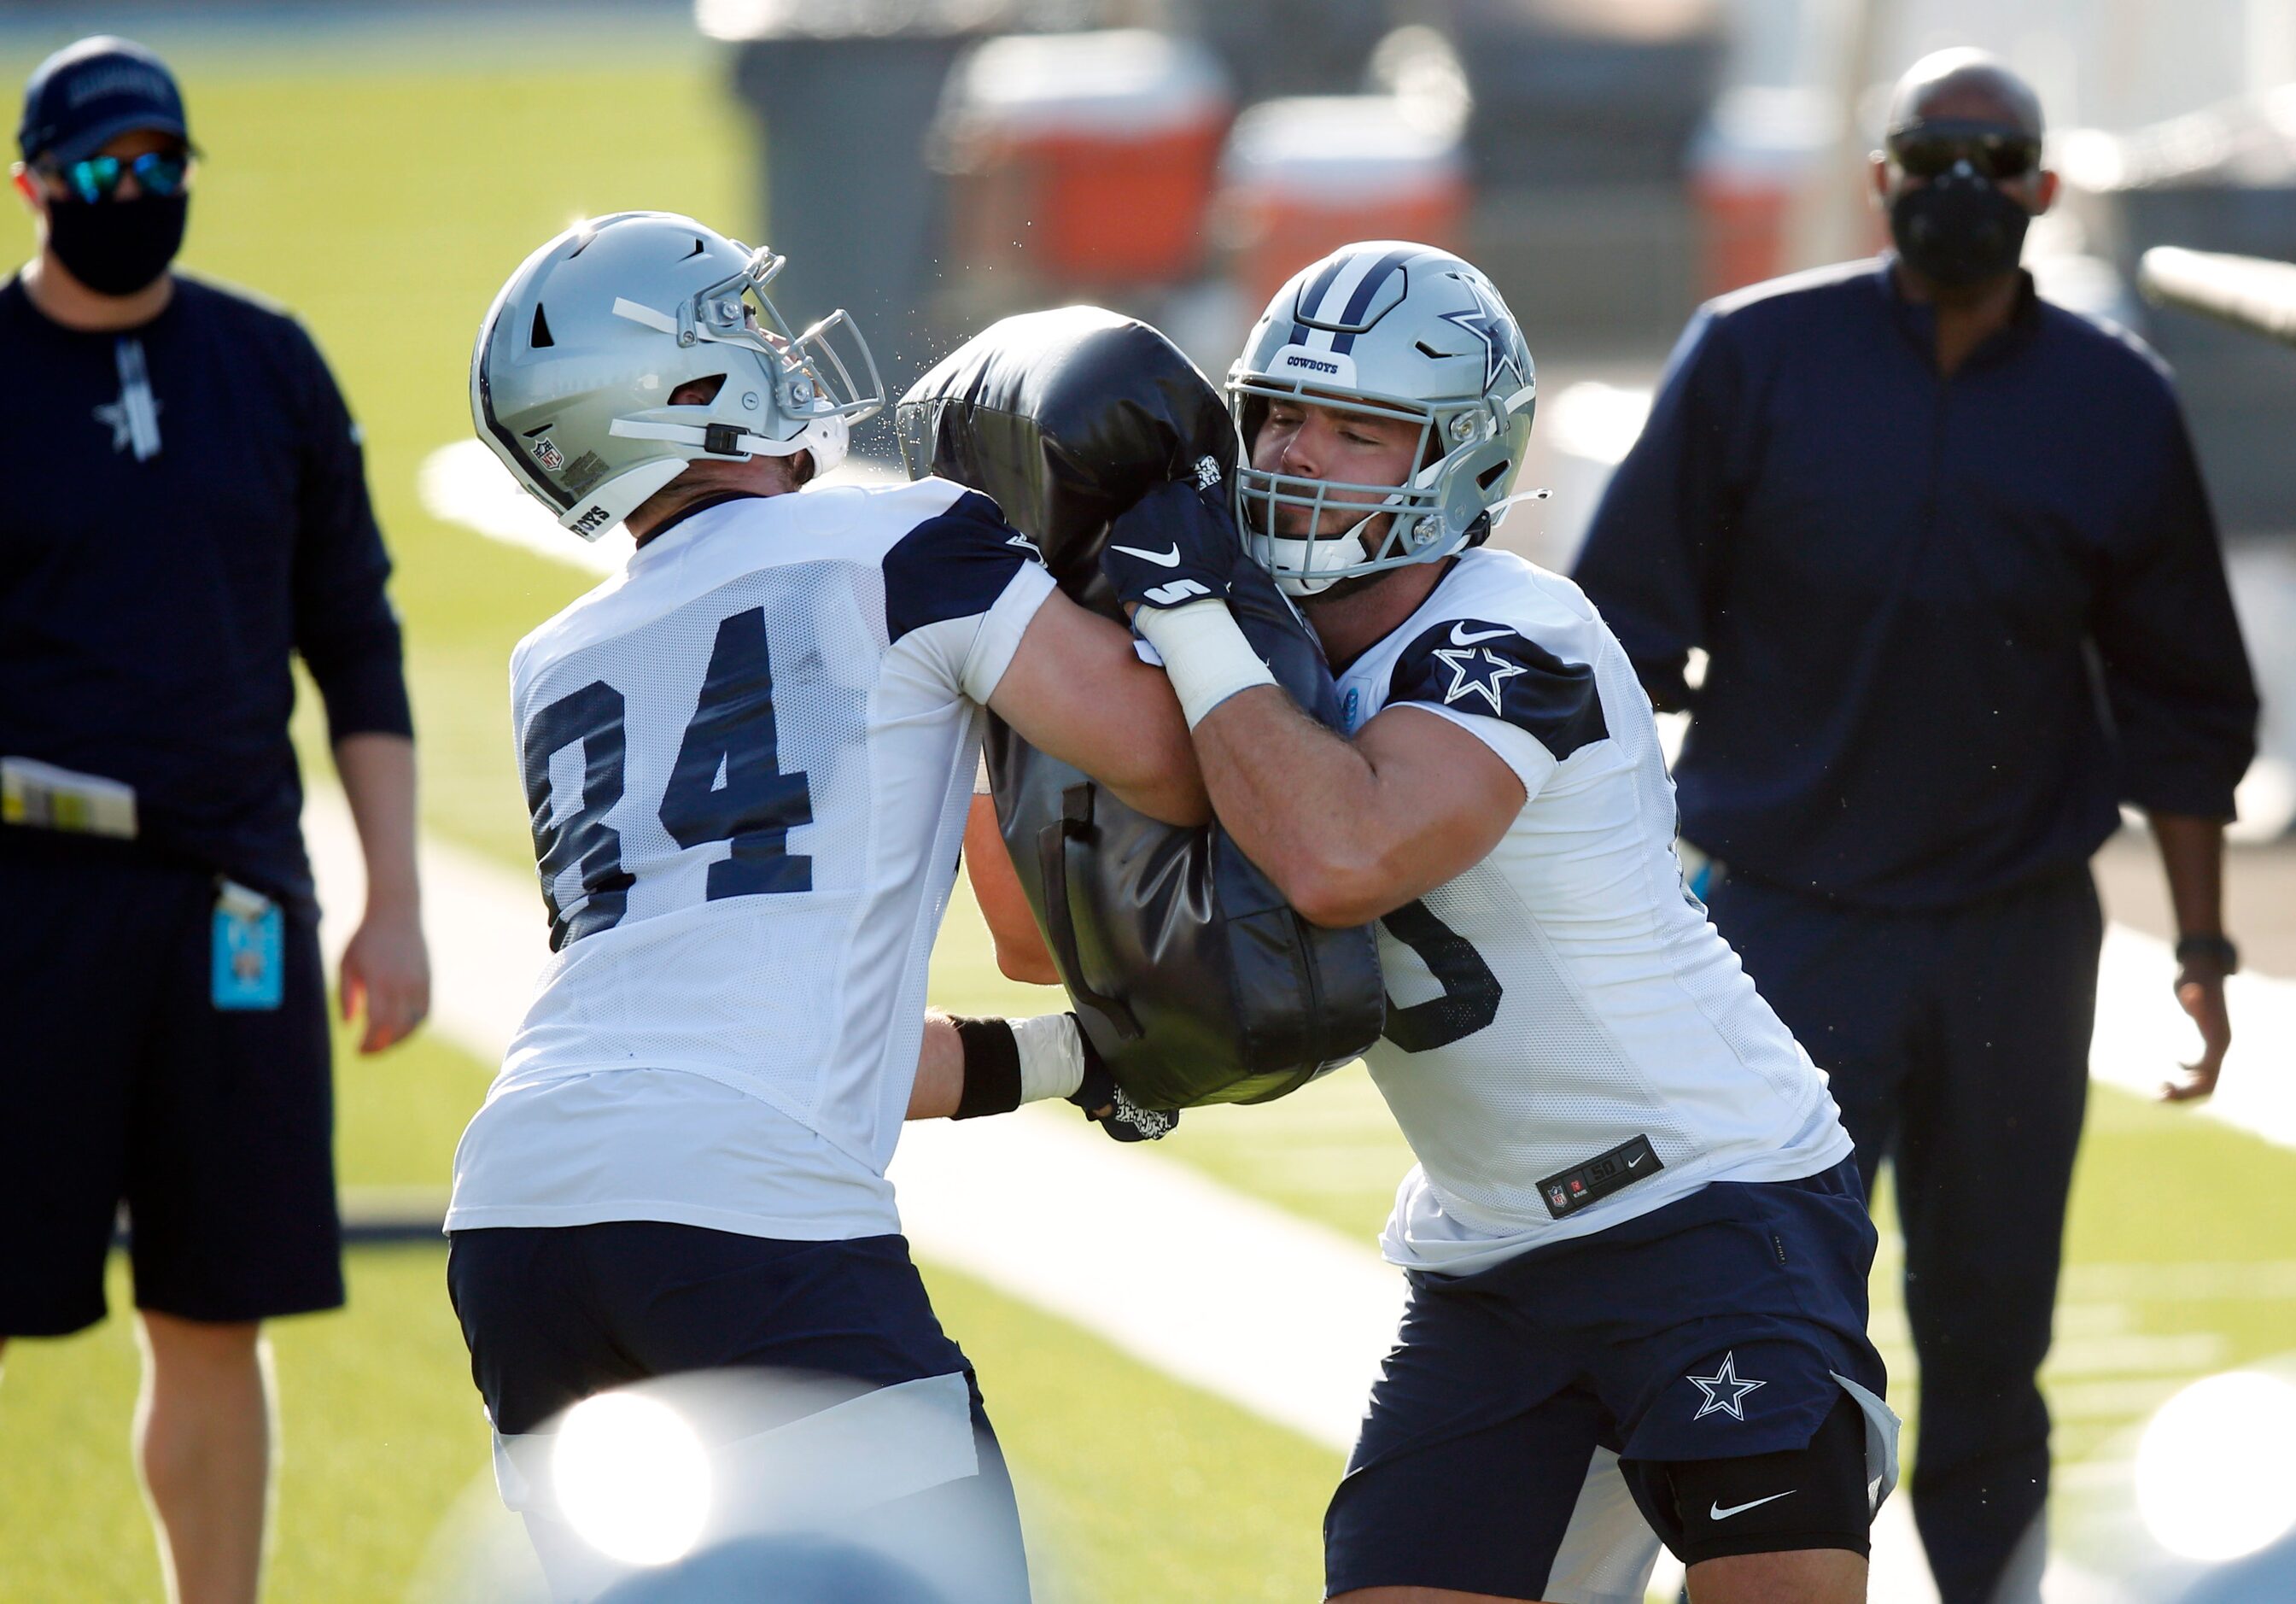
[[379, 167]]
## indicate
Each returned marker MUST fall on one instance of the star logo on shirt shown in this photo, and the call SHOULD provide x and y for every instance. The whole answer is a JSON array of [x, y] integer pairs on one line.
[[1726, 1390], [1476, 671], [115, 417]]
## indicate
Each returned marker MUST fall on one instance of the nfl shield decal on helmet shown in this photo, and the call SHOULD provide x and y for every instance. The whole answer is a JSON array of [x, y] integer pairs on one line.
[[548, 455]]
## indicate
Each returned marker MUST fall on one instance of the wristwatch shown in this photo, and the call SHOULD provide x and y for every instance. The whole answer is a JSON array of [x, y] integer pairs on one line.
[[2216, 949]]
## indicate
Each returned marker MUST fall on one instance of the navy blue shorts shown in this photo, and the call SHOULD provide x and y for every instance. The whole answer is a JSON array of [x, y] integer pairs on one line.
[[554, 1314], [121, 1081], [1712, 1329]]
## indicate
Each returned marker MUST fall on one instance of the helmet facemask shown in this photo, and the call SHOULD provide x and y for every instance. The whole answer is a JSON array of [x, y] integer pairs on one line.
[[785, 391], [1436, 510], [1390, 329]]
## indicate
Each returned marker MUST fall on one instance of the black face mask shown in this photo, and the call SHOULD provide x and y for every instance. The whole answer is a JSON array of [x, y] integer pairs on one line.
[[1957, 229], [116, 247]]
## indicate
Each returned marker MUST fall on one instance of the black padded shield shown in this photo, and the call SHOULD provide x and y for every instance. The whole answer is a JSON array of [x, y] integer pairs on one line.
[[1195, 981]]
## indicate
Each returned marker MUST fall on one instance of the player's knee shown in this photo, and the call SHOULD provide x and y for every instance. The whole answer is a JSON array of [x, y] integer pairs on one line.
[[198, 1346]]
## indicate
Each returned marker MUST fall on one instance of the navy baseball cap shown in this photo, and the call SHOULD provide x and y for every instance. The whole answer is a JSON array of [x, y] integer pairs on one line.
[[89, 93]]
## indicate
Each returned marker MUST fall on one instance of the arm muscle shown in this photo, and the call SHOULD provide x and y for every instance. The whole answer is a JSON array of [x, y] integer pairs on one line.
[[1350, 830], [1076, 689]]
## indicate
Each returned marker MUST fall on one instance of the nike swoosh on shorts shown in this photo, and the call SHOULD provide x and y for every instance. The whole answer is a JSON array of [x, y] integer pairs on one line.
[[1716, 1512]]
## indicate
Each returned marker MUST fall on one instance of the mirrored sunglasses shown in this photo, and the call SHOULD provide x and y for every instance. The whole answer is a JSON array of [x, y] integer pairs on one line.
[[98, 177]]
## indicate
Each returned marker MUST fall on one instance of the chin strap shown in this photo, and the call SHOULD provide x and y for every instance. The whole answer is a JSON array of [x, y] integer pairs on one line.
[[1498, 510]]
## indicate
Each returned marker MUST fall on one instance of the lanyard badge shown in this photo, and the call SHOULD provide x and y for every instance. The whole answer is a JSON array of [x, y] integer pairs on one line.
[[249, 949]]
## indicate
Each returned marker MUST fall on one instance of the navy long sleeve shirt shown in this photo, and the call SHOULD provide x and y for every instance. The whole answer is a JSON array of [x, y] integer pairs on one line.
[[1950, 622], [186, 506]]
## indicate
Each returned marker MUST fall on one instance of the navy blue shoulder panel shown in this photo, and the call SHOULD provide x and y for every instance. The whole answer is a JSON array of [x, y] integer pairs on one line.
[[1470, 666], [953, 566]]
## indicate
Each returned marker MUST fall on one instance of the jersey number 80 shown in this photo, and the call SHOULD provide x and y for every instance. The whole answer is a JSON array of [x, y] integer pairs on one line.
[[733, 735]]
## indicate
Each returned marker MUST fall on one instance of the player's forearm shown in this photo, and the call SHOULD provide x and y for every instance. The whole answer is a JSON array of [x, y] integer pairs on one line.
[[2191, 856], [1145, 756], [378, 776], [940, 1070], [1021, 951], [1301, 802], [1076, 690]]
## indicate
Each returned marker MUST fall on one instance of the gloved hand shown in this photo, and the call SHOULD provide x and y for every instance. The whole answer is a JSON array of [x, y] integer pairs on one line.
[[1176, 545], [1104, 1104]]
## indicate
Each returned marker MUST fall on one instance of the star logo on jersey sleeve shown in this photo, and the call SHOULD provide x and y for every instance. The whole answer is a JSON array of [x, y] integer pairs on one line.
[[1726, 1390], [1476, 671]]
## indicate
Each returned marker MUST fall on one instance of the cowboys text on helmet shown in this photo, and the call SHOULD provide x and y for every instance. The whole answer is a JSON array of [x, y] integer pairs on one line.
[[1392, 330], [579, 357]]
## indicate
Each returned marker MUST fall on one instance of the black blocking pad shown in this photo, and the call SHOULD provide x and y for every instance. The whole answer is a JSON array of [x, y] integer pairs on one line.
[[1194, 980], [1064, 419]]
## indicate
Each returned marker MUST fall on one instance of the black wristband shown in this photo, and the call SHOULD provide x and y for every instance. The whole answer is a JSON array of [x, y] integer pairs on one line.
[[992, 1068], [2219, 948]]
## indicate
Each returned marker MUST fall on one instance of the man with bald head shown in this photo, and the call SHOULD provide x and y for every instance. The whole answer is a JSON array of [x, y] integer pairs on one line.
[[1946, 548]]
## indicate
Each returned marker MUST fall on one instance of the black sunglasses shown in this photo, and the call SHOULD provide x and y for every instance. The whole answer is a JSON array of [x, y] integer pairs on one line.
[[1932, 150]]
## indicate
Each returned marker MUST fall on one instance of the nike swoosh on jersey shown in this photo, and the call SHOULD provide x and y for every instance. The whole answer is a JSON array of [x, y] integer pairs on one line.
[[1458, 639], [1716, 1512], [1162, 559]]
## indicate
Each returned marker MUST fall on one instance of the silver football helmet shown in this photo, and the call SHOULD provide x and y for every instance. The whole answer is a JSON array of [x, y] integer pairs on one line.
[[1390, 329], [575, 362]]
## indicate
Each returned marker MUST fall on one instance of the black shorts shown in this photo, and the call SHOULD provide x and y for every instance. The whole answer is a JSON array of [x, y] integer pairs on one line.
[[121, 1081], [1528, 1411]]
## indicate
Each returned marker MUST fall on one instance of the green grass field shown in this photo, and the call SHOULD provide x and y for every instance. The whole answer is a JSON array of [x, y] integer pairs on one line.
[[383, 191]]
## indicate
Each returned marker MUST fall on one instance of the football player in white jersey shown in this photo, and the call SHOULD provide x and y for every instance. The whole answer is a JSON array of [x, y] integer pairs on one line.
[[1633, 1229], [749, 758]]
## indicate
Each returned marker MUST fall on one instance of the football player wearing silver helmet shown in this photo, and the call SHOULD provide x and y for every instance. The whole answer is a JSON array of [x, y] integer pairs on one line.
[[1397, 343], [1635, 1241], [747, 760], [575, 381]]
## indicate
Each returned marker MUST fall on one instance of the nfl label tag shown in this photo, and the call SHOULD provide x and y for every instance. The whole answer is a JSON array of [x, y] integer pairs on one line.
[[249, 949], [1623, 1165]]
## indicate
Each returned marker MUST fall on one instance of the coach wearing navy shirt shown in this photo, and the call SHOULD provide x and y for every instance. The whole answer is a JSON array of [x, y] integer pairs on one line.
[[1948, 555], [186, 508]]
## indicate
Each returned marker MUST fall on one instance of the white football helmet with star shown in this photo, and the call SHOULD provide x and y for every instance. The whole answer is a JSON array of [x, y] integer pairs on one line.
[[1390, 328]]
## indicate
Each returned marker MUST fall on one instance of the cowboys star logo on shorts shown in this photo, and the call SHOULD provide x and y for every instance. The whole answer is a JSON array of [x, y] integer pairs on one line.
[[547, 452], [1726, 1390]]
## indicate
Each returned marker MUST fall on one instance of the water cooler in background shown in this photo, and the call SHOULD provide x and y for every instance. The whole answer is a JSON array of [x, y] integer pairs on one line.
[[1304, 177], [1079, 165]]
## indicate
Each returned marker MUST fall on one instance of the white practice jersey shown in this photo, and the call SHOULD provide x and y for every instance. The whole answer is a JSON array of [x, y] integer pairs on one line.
[[748, 761], [1570, 1043]]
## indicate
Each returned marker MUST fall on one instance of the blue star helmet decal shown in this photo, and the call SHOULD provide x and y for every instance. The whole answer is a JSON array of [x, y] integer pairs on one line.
[[1487, 321]]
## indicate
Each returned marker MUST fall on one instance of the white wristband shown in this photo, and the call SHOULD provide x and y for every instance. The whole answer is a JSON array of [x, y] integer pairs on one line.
[[1052, 1055], [1204, 653]]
